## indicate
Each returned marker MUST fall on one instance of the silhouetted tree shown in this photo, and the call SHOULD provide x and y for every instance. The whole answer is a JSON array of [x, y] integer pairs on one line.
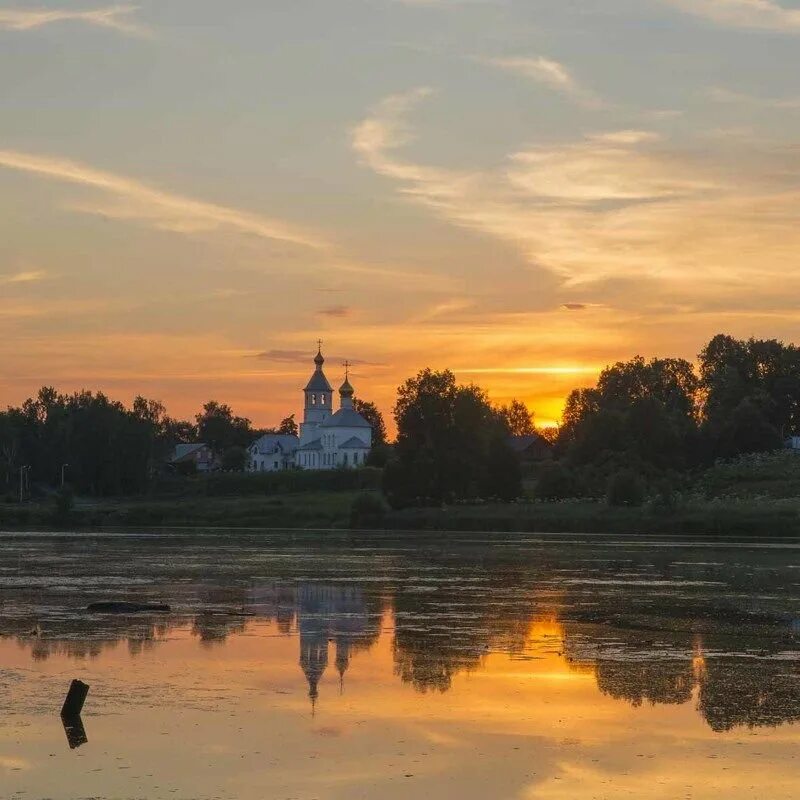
[[449, 438], [288, 426], [221, 430], [765, 374], [372, 414], [518, 418], [640, 411]]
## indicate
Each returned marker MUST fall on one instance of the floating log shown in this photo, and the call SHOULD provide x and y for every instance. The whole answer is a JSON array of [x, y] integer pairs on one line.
[[76, 697], [124, 607]]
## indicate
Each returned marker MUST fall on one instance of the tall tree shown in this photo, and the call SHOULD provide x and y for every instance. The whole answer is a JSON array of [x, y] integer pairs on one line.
[[763, 372], [451, 444], [518, 418], [372, 414], [640, 410], [288, 427], [220, 429]]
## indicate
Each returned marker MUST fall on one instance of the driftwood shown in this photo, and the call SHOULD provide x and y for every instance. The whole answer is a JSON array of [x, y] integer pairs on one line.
[[124, 607]]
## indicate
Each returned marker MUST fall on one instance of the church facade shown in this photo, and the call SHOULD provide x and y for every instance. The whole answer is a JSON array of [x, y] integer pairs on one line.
[[329, 438]]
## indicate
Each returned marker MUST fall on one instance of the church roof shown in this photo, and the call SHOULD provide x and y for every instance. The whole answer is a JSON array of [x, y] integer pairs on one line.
[[354, 443], [346, 418], [315, 445], [318, 383]]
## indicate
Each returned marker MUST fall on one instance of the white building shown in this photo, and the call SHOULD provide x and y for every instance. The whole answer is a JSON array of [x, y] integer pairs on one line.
[[272, 452], [328, 438]]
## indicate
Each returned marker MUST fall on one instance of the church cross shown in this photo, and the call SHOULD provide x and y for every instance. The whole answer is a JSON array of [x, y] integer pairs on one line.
[[347, 366], [319, 344]]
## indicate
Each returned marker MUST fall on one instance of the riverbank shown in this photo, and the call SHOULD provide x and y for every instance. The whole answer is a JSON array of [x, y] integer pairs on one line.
[[332, 510]]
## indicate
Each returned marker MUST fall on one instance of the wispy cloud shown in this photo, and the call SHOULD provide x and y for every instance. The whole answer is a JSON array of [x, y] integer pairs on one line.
[[116, 18], [134, 200], [305, 357], [337, 312], [549, 73], [757, 14], [25, 276], [729, 97], [611, 206]]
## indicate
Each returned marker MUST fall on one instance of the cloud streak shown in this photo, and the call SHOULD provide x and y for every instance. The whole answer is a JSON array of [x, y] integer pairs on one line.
[[612, 206], [134, 200], [754, 14], [116, 18], [26, 276], [549, 73]]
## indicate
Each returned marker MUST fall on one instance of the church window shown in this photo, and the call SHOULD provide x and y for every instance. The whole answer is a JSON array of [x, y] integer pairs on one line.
[[313, 399]]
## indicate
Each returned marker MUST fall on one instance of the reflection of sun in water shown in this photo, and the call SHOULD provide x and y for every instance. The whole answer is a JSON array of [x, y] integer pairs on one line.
[[698, 660]]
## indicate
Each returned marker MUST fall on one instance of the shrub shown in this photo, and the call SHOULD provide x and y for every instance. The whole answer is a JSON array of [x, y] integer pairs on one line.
[[368, 510], [625, 488], [230, 484], [556, 482], [665, 498], [64, 502]]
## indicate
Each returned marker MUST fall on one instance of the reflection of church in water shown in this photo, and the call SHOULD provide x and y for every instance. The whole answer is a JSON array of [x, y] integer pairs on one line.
[[331, 620]]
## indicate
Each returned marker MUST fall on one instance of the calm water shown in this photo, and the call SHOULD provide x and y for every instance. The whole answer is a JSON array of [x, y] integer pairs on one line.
[[313, 666]]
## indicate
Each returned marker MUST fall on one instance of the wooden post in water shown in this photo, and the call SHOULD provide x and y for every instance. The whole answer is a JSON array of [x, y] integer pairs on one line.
[[76, 697]]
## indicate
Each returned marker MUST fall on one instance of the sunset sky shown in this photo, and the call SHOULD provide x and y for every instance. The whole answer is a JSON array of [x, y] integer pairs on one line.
[[193, 191]]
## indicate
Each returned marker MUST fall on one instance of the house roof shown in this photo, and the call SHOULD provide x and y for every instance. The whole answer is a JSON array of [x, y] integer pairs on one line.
[[270, 442], [183, 451], [354, 443], [346, 418], [519, 444]]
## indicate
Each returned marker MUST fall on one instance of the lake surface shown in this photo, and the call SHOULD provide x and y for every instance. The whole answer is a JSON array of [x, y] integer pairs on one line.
[[380, 666]]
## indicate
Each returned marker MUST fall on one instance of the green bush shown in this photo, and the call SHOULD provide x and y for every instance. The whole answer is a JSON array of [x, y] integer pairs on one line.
[[556, 482], [64, 503], [625, 488], [368, 510], [232, 484]]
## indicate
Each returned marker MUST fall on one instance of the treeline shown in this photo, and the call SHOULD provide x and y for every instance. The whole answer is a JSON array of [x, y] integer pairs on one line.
[[98, 446], [643, 421], [646, 424]]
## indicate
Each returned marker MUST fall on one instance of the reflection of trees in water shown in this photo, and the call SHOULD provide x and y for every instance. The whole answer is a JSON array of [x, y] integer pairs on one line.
[[655, 682], [731, 691], [452, 606], [756, 693], [450, 629]]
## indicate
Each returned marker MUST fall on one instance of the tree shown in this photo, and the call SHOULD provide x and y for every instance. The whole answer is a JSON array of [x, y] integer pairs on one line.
[[640, 411], [766, 373], [372, 414], [220, 429], [518, 418], [747, 431], [451, 444], [288, 427], [234, 459]]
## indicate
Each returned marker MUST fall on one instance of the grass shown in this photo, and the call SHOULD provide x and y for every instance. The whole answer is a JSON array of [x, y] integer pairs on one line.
[[697, 516], [755, 495], [329, 509]]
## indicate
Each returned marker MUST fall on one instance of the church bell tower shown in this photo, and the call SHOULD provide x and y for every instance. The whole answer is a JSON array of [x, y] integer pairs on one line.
[[318, 400]]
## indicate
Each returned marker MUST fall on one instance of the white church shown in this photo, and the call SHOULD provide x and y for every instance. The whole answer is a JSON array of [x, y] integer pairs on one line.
[[328, 439]]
